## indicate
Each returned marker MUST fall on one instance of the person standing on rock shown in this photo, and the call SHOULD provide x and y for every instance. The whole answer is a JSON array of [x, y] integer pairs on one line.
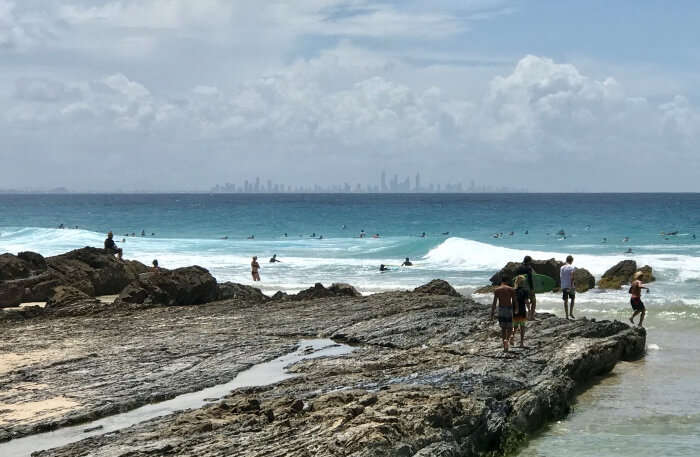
[[504, 296], [568, 286], [529, 284], [636, 300], [255, 268], [111, 247]]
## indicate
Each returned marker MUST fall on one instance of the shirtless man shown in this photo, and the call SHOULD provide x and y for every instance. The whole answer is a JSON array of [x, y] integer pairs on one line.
[[636, 300], [254, 268], [504, 295]]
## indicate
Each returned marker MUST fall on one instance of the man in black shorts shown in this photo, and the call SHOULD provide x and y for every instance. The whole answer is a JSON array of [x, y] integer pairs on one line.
[[636, 300], [111, 247], [568, 286]]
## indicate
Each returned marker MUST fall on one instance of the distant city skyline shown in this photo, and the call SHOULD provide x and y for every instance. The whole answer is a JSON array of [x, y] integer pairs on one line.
[[395, 184]]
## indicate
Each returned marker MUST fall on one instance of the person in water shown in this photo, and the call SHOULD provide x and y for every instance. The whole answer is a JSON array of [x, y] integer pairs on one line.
[[383, 267], [568, 286], [422, 235], [143, 233], [527, 270], [255, 268], [251, 237], [504, 296], [522, 298], [274, 259], [636, 300], [111, 247], [407, 263]]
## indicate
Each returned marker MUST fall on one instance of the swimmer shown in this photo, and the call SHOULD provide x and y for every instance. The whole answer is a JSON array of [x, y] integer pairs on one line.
[[285, 234], [527, 232], [407, 263], [511, 234], [143, 233], [625, 239], [313, 235], [153, 234], [123, 240], [376, 235], [605, 240], [628, 251], [693, 236], [422, 235], [320, 237], [383, 267], [224, 237], [343, 227], [274, 259], [445, 233], [561, 232], [251, 237], [255, 268]]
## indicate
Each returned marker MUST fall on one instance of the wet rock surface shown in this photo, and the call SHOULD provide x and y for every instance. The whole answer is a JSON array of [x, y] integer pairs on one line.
[[428, 376]]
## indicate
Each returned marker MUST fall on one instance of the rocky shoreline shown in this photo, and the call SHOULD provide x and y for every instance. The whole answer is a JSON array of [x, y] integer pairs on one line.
[[427, 376]]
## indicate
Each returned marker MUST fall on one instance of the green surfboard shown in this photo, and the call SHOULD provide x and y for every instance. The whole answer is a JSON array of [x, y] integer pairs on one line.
[[543, 283]]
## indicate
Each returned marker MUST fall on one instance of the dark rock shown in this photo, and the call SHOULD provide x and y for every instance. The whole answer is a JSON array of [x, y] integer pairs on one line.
[[235, 291], [12, 267], [549, 268], [437, 287], [484, 290], [341, 289], [623, 273], [319, 291], [279, 296], [65, 295], [182, 286], [583, 279], [647, 274], [94, 271], [11, 294], [35, 261]]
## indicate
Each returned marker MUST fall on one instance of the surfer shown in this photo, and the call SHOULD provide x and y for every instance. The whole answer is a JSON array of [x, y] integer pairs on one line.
[[504, 296], [255, 268], [111, 247], [529, 284], [422, 235], [251, 237], [522, 297], [383, 267], [628, 251], [625, 239], [445, 233], [605, 240], [527, 232], [274, 259], [143, 232], [407, 263], [636, 300], [568, 286]]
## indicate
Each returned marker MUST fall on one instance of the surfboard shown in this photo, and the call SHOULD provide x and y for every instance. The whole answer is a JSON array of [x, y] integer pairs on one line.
[[543, 283]]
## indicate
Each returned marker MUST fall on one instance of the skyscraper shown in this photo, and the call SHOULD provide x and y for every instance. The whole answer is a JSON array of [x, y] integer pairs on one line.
[[417, 188], [383, 183]]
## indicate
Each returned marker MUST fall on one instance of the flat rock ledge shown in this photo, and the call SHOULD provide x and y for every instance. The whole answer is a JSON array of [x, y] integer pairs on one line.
[[427, 377]]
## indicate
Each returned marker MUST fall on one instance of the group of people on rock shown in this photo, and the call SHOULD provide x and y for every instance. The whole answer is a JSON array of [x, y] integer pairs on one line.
[[516, 304]]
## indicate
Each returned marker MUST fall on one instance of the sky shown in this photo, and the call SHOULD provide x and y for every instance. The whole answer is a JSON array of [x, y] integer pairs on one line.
[[178, 95]]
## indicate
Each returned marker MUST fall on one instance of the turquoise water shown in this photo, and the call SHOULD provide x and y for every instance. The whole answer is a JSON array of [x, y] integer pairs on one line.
[[648, 407]]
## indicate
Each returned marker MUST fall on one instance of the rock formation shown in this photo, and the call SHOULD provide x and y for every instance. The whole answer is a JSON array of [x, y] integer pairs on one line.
[[623, 273]]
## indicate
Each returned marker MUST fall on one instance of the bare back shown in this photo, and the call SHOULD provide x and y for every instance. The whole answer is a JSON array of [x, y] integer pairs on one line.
[[505, 296]]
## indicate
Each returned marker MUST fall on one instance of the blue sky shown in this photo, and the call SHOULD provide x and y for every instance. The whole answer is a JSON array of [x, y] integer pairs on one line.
[[180, 95]]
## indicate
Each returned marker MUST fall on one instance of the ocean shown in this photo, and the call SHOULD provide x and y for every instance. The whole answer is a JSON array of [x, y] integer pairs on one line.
[[646, 408]]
